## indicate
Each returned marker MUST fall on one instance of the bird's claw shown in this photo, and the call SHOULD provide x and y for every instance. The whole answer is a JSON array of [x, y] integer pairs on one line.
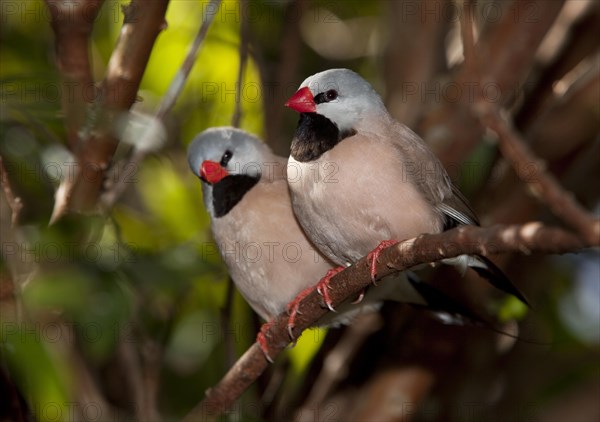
[[322, 288], [293, 309], [261, 339], [360, 298], [373, 256]]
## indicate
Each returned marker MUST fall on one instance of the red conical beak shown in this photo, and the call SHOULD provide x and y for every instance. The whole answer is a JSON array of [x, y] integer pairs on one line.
[[302, 101], [212, 172]]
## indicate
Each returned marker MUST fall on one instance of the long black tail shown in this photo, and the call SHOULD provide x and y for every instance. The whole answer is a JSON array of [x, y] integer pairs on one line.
[[488, 270]]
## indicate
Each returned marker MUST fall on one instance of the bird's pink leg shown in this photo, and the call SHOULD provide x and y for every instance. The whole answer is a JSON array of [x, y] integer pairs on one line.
[[261, 339], [374, 256], [321, 287]]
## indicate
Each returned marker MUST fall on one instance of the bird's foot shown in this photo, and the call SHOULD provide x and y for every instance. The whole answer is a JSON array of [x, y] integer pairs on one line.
[[321, 287], [360, 297], [373, 256], [261, 339], [293, 309]]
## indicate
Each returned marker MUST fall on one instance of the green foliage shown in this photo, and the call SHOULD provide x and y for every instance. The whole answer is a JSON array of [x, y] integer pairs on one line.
[[148, 272]]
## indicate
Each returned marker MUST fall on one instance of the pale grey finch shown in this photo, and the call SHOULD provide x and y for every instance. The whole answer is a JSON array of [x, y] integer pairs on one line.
[[269, 257], [378, 181]]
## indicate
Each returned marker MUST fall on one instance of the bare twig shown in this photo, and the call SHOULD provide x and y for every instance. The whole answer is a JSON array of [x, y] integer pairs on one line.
[[418, 33], [225, 313], [541, 184], [468, 38], [72, 23], [180, 78], [393, 394], [143, 22], [335, 365], [285, 77], [580, 43], [14, 202], [450, 126], [130, 360], [168, 101], [237, 114], [531, 237]]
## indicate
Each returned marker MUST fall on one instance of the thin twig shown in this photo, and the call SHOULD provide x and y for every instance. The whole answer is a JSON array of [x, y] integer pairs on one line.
[[237, 114], [181, 77], [168, 102], [72, 23], [531, 237], [14, 202], [450, 125], [142, 23], [468, 38], [542, 185], [225, 319], [335, 365]]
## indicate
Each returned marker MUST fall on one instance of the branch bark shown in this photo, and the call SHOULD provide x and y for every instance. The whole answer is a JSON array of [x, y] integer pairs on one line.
[[541, 184], [528, 238], [72, 23], [143, 22], [168, 101], [14, 202], [450, 126]]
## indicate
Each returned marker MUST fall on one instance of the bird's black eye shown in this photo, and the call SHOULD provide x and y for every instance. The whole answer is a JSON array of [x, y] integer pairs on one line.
[[225, 158], [325, 97]]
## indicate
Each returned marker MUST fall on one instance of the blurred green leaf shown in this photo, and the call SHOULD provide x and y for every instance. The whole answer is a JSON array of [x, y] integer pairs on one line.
[[33, 354]]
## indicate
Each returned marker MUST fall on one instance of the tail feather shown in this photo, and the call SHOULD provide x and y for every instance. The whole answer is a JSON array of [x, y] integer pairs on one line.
[[488, 270], [446, 309]]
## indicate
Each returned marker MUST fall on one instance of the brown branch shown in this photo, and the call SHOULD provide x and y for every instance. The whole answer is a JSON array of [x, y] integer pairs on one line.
[[237, 114], [581, 42], [541, 184], [72, 23], [401, 72], [335, 364], [392, 393], [450, 126], [468, 38], [142, 24], [166, 105], [168, 101], [531, 237], [285, 77], [14, 202], [181, 77]]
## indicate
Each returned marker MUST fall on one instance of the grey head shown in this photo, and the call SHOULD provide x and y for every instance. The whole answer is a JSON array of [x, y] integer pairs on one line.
[[344, 97], [229, 162]]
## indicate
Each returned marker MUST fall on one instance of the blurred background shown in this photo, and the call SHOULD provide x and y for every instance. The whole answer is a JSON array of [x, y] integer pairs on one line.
[[123, 313]]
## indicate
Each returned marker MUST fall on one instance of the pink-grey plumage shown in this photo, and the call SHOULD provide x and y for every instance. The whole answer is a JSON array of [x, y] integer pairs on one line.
[[386, 183], [267, 254]]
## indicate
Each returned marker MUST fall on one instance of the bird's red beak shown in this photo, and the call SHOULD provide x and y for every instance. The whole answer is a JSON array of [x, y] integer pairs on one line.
[[302, 101], [212, 172]]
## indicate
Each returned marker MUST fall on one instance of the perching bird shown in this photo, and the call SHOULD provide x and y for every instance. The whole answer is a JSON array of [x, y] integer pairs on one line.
[[245, 192], [270, 259], [383, 182]]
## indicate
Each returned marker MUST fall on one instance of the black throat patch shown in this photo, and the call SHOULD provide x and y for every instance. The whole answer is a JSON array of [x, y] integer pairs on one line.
[[314, 136], [229, 191]]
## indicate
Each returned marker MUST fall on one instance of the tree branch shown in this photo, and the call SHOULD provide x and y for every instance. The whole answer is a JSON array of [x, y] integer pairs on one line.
[[72, 23], [14, 202], [528, 238], [181, 77], [142, 24], [450, 126], [168, 101], [237, 114], [541, 184]]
